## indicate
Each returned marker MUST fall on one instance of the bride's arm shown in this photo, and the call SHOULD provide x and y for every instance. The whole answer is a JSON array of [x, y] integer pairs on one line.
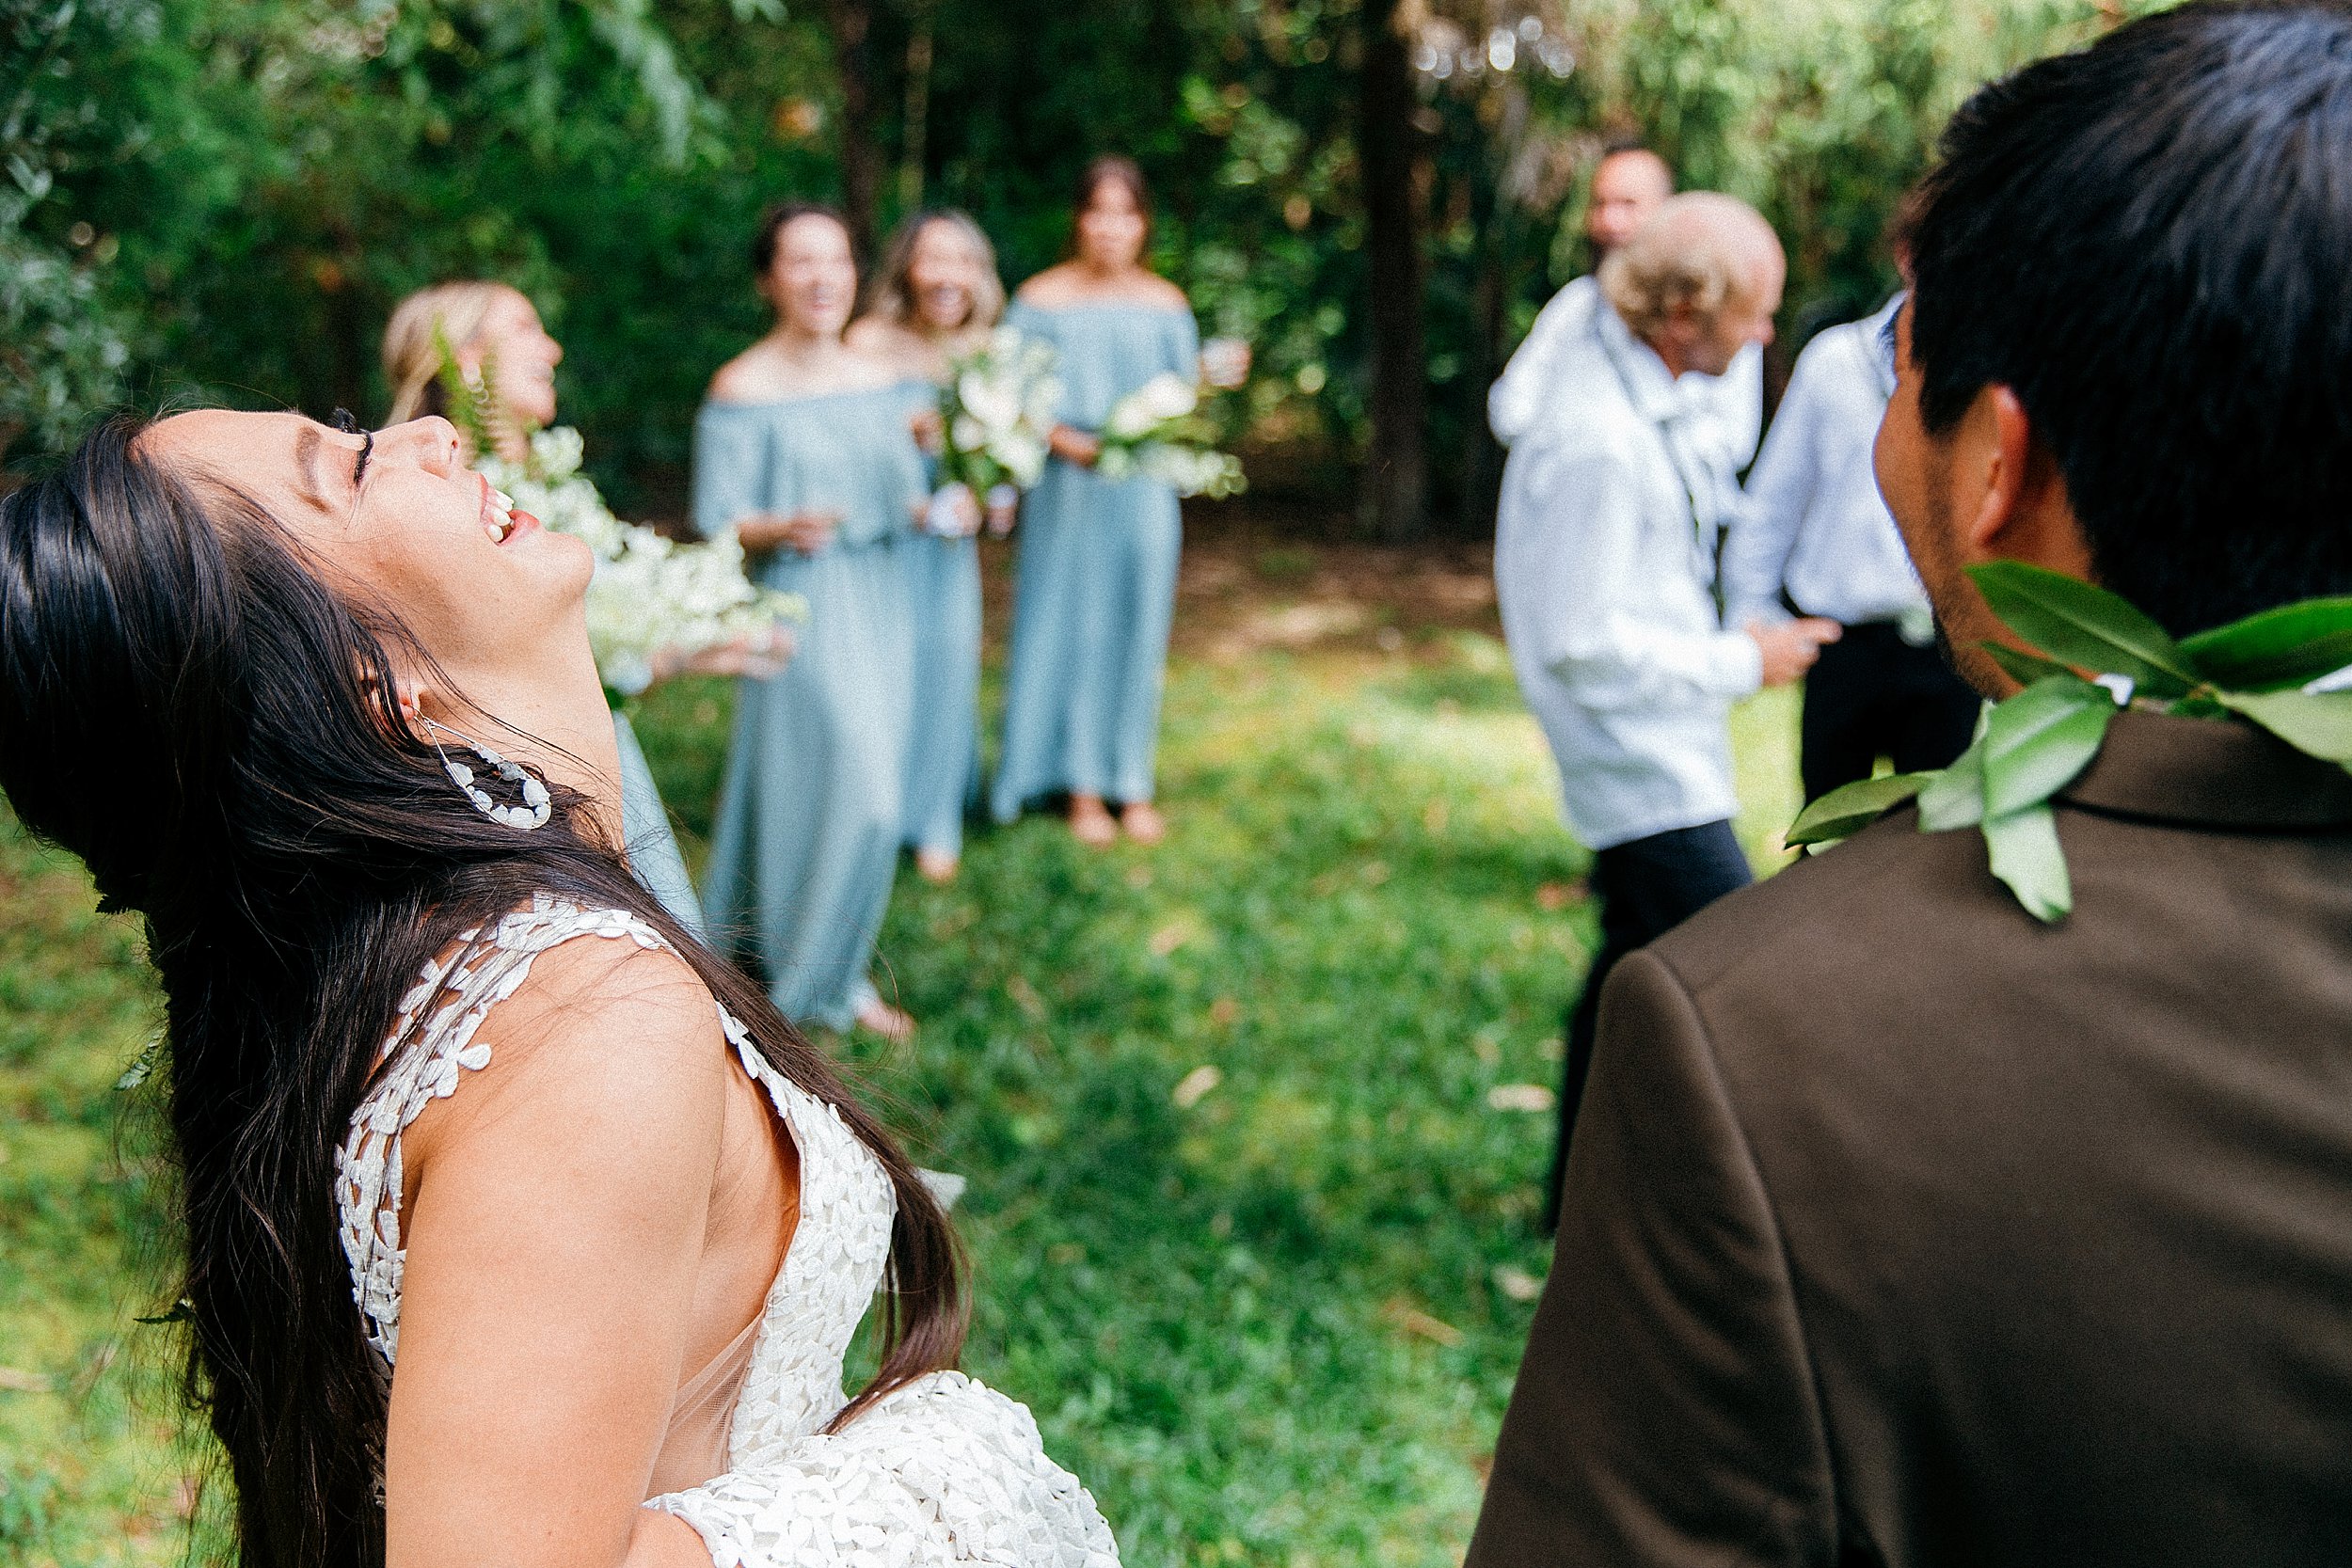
[[558, 1224]]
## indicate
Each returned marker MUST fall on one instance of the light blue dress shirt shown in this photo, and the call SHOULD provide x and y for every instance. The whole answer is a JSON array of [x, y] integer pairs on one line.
[[1813, 521], [808, 825], [1604, 567], [1095, 589]]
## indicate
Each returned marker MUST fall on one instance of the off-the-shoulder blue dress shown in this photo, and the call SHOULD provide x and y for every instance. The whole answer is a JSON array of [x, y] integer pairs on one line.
[[943, 753], [806, 839], [1095, 588]]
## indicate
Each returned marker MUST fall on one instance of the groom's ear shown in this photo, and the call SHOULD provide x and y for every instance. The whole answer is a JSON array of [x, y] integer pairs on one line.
[[2021, 509]]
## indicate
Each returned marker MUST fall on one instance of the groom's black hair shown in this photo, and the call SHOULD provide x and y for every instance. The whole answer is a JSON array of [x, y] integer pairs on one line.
[[2150, 242]]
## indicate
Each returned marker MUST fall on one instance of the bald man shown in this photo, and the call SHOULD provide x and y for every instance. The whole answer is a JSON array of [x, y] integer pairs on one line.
[[1630, 183], [1604, 567]]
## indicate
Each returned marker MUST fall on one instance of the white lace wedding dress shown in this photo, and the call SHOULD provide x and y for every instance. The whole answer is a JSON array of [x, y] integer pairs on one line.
[[942, 1471]]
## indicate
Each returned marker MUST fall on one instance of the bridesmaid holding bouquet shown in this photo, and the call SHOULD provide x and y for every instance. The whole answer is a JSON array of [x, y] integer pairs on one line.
[[937, 298], [1096, 587], [805, 451]]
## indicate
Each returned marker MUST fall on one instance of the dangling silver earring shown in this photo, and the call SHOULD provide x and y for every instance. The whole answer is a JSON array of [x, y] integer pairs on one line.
[[532, 813]]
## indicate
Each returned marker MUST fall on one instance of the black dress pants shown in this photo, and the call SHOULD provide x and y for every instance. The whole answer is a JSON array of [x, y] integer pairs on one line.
[[1873, 695], [1646, 887]]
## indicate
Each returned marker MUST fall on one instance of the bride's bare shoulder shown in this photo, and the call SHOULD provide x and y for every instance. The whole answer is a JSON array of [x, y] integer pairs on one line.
[[606, 1042]]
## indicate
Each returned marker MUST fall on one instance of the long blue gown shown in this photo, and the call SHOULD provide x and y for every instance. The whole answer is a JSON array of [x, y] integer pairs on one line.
[[943, 754], [1096, 575], [807, 831], [652, 847]]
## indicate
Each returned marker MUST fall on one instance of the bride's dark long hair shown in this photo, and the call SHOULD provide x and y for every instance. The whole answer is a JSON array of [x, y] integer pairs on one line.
[[188, 706]]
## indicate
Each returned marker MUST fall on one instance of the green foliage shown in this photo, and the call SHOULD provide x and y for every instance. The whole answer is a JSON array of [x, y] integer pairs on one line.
[[2076, 622], [466, 400], [2022, 849], [2318, 723], [2287, 646], [1845, 812], [63, 345], [2039, 740], [226, 197], [2035, 743]]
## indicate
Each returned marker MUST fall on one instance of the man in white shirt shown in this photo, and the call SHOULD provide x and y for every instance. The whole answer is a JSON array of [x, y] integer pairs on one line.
[[1629, 183], [1604, 567], [1814, 535]]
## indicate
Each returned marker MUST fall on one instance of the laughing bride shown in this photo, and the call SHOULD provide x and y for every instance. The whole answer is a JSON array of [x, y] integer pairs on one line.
[[519, 1231]]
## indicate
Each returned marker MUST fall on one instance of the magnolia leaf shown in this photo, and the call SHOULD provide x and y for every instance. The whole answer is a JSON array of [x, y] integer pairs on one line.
[[2078, 624], [2036, 742], [2281, 647], [1847, 810], [2025, 853], [2318, 723], [1955, 797], [2022, 667]]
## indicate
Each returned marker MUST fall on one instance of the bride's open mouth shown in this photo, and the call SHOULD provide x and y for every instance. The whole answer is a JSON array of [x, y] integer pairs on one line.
[[500, 519]]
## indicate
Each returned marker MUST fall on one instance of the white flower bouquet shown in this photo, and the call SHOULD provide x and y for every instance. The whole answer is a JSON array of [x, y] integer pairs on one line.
[[996, 411], [1156, 432], [651, 597]]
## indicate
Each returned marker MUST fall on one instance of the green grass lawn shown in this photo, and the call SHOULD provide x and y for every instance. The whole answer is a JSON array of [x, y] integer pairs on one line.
[[1252, 1235]]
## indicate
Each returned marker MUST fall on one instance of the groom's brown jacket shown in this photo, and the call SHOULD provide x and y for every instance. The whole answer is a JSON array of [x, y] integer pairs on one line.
[[1902, 1228]]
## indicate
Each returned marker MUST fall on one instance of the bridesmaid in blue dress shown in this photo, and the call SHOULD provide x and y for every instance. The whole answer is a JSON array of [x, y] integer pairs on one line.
[[805, 450], [1096, 584], [937, 298]]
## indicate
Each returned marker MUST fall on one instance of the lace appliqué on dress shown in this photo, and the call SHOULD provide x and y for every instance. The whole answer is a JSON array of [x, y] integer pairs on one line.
[[944, 1471], [480, 973]]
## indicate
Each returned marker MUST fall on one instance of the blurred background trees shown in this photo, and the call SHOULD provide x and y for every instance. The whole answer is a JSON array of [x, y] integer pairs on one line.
[[223, 197]]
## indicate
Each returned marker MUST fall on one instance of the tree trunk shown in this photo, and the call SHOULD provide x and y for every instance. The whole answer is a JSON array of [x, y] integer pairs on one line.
[[919, 112], [852, 22], [1482, 457], [1395, 501]]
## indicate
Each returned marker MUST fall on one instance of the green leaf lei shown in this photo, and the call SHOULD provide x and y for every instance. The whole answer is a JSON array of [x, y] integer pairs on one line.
[[2035, 743]]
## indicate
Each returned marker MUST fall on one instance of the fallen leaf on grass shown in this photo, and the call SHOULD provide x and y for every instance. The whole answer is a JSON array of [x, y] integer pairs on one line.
[[1194, 1084], [1019, 988], [1552, 898], [1170, 937], [19, 1381], [1224, 1010], [1522, 1096], [1518, 1284], [1403, 1314]]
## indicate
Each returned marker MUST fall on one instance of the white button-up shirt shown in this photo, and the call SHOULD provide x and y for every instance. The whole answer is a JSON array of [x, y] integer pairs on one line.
[[1813, 521], [1730, 406], [1604, 566]]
